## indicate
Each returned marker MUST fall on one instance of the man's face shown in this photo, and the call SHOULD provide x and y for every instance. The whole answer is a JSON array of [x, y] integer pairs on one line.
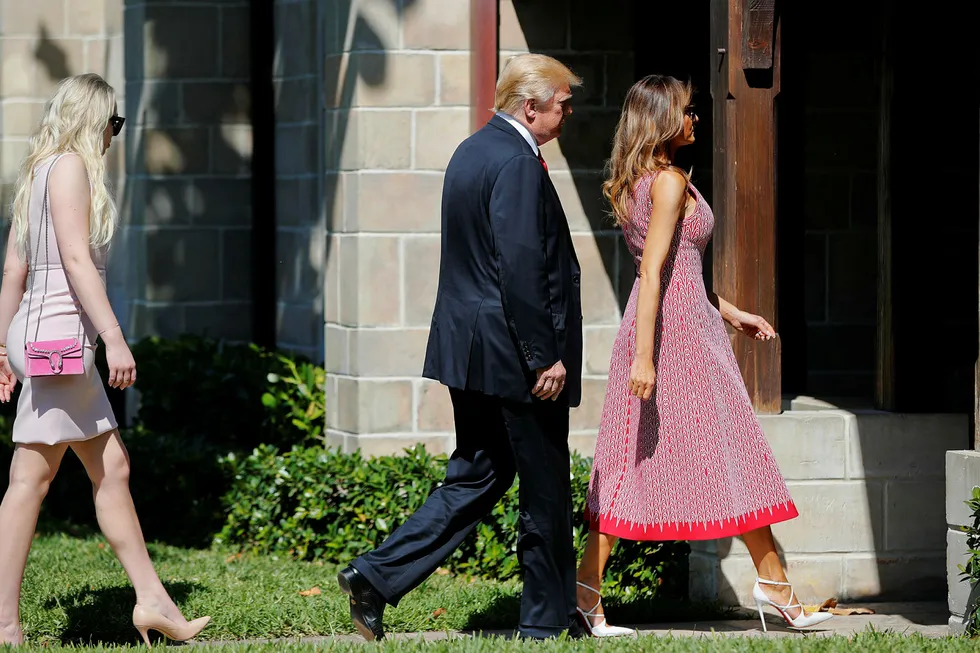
[[546, 120]]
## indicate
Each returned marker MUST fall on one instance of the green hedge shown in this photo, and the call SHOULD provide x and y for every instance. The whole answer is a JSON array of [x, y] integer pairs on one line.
[[200, 399], [237, 396], [314, 503]]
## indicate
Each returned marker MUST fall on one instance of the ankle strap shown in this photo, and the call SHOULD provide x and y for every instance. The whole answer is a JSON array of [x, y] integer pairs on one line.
[[591, 612], [588, 587], [766, 581]]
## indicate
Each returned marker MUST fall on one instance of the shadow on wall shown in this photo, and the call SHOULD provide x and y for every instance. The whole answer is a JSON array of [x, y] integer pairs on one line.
[[356, 33], [604, 62], [188, 167]]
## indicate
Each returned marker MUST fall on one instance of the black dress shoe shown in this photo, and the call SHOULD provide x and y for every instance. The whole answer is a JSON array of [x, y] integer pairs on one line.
[[367, 607]]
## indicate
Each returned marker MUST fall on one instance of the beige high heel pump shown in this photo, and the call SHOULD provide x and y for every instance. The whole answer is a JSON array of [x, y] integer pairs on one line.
[[145, 620]]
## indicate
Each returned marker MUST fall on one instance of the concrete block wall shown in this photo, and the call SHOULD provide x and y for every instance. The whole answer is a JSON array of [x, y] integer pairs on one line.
[[397, 106], [962, 475], [303, 28], [870, 489], [396, 93], [188, 155], [42, 42], [589, 38]]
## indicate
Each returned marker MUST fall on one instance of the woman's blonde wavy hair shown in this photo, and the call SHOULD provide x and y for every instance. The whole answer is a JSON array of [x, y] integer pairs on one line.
[[653, 116], [74, 121]]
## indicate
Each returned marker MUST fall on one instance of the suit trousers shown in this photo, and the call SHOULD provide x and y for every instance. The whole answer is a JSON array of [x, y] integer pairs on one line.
[[496, 439]]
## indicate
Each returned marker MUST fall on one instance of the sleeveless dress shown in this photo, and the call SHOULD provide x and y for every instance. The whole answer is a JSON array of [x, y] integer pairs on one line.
[[692, 463], [54, 409]]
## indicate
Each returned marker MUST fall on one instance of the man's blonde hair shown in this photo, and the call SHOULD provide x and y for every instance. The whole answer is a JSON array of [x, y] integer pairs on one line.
[[531, 77]]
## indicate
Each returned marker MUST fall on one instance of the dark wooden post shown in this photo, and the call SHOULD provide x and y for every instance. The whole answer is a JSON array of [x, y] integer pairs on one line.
[[484, 55], [744, 84], [885, 349]]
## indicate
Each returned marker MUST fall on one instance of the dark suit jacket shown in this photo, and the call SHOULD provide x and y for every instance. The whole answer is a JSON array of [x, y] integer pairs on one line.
[[509, 299]]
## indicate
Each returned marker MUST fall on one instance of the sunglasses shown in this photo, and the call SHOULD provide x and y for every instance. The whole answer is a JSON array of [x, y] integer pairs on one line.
[[117, 123], [690, 112]]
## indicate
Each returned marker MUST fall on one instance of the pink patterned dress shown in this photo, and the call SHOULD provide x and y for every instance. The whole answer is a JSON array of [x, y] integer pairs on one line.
[[691, 463]]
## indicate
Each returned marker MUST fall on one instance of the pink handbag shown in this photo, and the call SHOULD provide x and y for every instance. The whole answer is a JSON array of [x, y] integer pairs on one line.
[[53, 357], [50, 357]]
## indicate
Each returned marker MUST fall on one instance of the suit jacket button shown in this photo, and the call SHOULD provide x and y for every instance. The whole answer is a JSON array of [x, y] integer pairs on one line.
[[575, 279]]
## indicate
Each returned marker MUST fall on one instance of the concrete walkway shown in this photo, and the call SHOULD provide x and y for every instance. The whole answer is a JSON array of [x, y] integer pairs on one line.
[[928, 619]]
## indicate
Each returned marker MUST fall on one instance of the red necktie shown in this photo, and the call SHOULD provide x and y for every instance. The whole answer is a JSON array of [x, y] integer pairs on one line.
[[541, 159]]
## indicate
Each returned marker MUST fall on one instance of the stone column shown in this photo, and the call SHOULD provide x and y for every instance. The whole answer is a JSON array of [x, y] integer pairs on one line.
[[187, 198], [396, 90]]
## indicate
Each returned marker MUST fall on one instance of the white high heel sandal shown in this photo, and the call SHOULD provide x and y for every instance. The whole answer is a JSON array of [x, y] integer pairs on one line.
[[803, 620], [601, 629]]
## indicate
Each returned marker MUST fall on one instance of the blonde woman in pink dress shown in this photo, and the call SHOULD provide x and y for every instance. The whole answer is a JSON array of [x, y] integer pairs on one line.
[[54, 289], [680, 454]]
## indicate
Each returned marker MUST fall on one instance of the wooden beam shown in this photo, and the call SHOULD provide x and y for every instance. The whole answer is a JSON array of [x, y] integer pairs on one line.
[[484, 55], [744, 247], [885, 341], [758, 34]]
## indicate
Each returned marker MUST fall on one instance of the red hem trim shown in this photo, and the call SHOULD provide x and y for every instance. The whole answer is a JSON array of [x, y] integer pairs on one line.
[[692, 530]]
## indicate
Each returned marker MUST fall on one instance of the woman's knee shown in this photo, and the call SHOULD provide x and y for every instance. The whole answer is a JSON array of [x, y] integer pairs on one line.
[[115, 470], [30, 478]]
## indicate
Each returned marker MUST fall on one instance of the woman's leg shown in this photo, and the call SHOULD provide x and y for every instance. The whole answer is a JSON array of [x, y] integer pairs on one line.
[[762, 548], [598, 547], [107, 464], [31, 471]]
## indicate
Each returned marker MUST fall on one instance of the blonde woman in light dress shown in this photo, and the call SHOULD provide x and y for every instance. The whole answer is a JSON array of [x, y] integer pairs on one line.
[[53, 287]]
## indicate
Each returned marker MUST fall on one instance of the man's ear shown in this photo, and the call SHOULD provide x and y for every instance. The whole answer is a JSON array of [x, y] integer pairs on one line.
[[530, 108]]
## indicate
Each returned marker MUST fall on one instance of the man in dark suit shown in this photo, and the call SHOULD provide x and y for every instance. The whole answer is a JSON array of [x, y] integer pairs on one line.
[[506, 338]]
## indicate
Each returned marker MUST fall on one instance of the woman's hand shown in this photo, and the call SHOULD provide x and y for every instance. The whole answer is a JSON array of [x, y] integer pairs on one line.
[[752, 325], [122, 365], [8, 380], [642, 378]]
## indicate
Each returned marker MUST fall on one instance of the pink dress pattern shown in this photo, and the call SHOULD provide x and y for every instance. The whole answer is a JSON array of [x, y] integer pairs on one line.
[[692, 463]]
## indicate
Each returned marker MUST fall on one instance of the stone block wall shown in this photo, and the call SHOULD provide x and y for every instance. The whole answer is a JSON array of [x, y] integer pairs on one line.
[[397, 93], [303, 28], [870, 489], [41, 43], [962, 476], [589, 38], [187, 198], [397, 106]]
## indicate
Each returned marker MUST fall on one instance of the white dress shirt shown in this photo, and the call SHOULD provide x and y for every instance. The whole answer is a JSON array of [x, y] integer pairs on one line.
[[522, 130]]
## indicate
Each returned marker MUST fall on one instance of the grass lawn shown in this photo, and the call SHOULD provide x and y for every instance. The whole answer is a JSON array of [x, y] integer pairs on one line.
[[76, 596], [75, 592], [865, 643]]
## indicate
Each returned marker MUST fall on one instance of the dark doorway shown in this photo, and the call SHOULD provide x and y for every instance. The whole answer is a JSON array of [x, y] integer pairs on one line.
[[935, 167]]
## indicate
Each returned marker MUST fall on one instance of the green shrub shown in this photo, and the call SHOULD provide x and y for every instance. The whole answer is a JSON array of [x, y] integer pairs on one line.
[[199, 386], [201, 399], [320, 504]]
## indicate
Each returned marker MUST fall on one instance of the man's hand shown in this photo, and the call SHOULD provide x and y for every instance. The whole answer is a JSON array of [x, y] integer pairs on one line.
[[551, 381]]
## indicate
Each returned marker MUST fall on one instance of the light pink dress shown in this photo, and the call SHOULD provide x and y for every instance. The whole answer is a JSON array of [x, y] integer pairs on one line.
[[52, 409], [692, 463]]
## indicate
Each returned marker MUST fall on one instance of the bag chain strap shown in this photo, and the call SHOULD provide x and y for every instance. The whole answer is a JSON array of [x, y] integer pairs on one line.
[[47, 267]]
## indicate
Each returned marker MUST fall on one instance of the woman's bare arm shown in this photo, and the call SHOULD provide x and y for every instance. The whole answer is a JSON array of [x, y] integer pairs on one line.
[[668, 193], [729, 311], [14, 285]]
